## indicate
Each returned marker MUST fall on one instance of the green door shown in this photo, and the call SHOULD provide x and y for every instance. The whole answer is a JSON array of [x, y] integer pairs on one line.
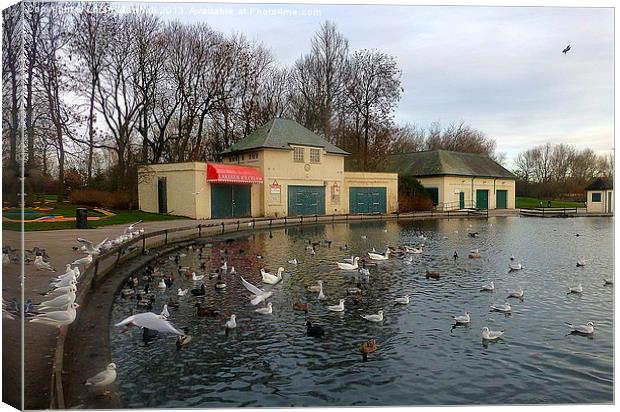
[[501, 199], [462, 200], [241, 200], [367, 200], [306, 200], [230, 201], [433, 192], [162, 195], [482, 199]]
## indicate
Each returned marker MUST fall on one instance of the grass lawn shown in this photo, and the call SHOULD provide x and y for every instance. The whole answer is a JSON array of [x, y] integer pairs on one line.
[[525, 202], [67, 210]]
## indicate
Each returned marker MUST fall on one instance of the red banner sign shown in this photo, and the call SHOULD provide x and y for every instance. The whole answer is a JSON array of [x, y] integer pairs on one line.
[[224, 173]]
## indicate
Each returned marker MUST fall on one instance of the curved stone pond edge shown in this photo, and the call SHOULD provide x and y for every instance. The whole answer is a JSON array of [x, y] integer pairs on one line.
[[83, 349]]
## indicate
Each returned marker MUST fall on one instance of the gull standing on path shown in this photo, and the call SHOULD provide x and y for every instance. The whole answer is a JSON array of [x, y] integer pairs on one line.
[[88, 246], [58, 318], [103, 378], [60, 301], [86, 260], [40, 264]]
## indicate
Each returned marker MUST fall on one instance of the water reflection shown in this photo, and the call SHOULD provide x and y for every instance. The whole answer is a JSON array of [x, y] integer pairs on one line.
[[422, 357]]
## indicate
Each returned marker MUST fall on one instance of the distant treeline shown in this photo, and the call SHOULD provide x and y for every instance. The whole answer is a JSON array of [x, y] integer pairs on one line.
[[559, 170], [96, 93]]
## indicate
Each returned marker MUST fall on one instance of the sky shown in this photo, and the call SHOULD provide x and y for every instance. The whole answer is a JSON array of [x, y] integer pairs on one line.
[[499, 69]]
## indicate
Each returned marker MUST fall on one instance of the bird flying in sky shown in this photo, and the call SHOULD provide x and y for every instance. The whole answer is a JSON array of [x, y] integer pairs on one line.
[[566, 49]]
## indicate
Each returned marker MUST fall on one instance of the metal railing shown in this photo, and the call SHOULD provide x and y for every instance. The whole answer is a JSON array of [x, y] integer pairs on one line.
[[549, 211], [456, 205], [106, 262]]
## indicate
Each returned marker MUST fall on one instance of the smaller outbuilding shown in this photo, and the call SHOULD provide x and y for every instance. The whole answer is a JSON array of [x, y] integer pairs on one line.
[[456, 180], [600, 196]]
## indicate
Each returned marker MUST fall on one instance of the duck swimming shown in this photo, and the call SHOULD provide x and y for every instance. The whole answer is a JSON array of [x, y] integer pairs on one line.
[[220, 284], [374, 318], [367, 347], [270, 278], [315, 288], [314, 330], [183, 340], [501, 308], [491, 334], [337, 308], [301, 306], [348, 266], [201, 291], [462, 319], [204, 311], [575, 289], [268, 310], [432, 275], [378, 256], [489, 287], [402, 301], [231, 323]]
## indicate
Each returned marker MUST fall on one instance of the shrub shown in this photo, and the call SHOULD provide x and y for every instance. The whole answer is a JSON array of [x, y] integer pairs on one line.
[[99, 198], [408, 203], [410, 186]]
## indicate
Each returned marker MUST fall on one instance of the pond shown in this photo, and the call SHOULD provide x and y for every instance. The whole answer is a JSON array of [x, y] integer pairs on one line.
[[422, 359]]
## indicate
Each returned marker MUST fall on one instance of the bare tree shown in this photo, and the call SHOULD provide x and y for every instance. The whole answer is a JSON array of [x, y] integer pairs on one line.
[[373, 91], [321, 78], [407, 138], [92, 35], [53, 79], [12, 52], [115, 99]]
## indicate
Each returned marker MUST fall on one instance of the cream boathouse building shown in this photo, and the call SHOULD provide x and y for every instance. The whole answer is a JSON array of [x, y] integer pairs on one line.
[[280, 169], [600, 196], [458, 180]]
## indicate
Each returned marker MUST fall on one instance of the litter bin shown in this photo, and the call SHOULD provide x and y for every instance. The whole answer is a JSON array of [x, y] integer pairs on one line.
[[81, 218]]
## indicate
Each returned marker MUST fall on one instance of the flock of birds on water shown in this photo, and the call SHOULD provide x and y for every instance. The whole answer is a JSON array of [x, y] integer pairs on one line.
[[60, 309]]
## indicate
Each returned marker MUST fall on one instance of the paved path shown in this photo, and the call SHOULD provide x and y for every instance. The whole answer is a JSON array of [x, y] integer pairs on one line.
[[40, 340]]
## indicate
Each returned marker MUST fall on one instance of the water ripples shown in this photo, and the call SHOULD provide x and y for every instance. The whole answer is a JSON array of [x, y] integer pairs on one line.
[[422, 359]]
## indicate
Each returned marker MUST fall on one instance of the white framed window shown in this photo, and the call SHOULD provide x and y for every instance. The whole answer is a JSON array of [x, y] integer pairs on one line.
[[253, 156], [315, 155], [298, 154]]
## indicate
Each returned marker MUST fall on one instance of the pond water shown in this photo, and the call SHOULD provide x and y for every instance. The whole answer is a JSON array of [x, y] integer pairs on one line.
[[421, 358]]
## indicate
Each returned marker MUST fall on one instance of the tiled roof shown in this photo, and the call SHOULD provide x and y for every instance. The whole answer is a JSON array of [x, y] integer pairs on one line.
[[601, 183], [281, 134], [444, 162]]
